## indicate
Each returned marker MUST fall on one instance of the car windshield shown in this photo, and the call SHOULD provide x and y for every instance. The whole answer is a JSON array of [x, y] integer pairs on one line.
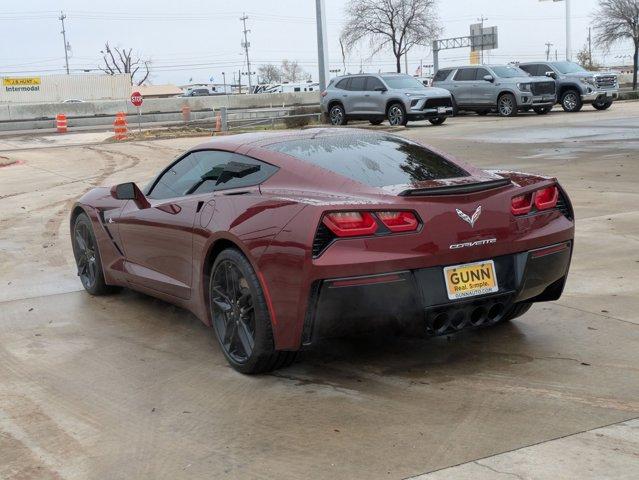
[[372, 159], [402, 82], [569, 67], [509, 72]]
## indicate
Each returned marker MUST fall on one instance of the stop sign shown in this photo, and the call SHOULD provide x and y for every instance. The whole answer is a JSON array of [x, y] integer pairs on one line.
[[136, 99]]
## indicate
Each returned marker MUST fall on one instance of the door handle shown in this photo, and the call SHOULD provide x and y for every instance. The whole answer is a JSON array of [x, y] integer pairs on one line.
[[367, 95]]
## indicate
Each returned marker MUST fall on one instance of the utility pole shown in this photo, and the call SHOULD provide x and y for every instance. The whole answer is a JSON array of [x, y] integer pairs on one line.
[[322, 44], [590, 47], [246, 46], [548, 45], [482, 19], [64, 38], [406, 63], [568, 26]]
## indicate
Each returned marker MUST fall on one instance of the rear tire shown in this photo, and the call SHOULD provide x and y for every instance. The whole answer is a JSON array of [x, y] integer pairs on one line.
[[542, 110], [337, 115], [396, 115], [517, 310], [437, 120], [483, 113], [240, 317], [376, 122], [571, 101], [507, 105], [87, 258], [605, 105]]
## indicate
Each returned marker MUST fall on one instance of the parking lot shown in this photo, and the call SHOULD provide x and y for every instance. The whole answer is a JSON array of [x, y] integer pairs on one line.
[[126, 386]]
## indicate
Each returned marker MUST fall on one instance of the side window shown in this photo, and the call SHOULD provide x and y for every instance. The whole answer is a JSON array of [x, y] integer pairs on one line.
[[209, 170], [372, 83], [480, 73], [343, 84], [441, 75], [357, 84], [543, 69], [465, 74], [297, 89]]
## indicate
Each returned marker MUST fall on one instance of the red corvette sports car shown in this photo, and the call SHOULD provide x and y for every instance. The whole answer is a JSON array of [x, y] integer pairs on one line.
[[279, 239]]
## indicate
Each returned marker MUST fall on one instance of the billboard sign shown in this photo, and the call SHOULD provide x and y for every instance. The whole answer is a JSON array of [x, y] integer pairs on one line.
[[21, 84], [483, 38]]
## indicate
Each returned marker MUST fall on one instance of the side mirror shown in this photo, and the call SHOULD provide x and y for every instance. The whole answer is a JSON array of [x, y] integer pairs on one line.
[[130, 191], [380, 89], [551, 75], [489, 78]]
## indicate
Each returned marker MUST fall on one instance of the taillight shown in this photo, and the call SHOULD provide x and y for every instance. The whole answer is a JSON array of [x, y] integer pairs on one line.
[[546, 198], [522, 204], [350, 224], [324, 93], [399, 221], [542, 199]]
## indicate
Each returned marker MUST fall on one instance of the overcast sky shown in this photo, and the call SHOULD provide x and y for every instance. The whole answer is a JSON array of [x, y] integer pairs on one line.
[[200, 39]]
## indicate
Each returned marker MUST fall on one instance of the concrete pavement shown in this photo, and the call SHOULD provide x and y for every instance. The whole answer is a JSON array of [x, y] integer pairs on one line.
[[129, 387]]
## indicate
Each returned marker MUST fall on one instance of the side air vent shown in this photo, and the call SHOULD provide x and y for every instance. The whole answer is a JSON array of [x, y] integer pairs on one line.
[[564, 207], [323, 238]]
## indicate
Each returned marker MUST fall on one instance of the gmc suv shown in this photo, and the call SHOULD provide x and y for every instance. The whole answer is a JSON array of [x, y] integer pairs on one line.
[[397, 97], [504, 88], [576, 85]]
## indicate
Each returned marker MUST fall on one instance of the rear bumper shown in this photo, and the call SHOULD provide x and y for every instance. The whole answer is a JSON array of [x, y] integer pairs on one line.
[[416, 300]]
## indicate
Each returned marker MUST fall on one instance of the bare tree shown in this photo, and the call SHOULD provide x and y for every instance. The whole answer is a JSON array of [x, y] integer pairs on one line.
[[616, 21], [120, 60], [584, 58], [270, 73], [292, 71], [398, 25]]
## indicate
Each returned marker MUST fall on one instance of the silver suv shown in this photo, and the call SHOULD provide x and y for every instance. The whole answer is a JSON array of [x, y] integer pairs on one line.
[[393, 96], [502, 88], [576, 85]]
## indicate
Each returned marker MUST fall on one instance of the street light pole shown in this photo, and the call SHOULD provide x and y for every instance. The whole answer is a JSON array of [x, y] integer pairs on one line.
[[64, 39], [568, 30], [322, 43]]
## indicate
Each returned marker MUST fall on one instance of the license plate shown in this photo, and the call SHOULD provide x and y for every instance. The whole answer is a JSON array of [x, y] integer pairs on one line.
[[470, 280], [441, 109]]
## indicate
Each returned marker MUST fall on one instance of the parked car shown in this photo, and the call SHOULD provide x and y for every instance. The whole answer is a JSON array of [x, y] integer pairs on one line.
[[325, 232], [396, 97], [198, 92], [502, 88], [576, 85]]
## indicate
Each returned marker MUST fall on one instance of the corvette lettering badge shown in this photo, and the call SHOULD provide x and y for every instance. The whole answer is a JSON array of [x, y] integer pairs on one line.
[[470, 220]]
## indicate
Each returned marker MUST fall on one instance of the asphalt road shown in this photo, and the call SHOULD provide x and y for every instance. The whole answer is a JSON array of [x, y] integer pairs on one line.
[[128, 387]]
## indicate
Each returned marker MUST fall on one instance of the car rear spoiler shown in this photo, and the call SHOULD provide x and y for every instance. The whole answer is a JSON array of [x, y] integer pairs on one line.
[[456, 189]]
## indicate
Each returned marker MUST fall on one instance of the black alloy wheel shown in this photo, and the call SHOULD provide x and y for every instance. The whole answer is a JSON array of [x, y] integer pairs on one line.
[[234, 318], [87, 257], [602, 104], [437, 120], [240, 318]]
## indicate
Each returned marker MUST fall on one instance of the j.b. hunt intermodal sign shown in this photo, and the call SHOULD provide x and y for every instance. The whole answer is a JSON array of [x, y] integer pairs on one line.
[[21, 84]]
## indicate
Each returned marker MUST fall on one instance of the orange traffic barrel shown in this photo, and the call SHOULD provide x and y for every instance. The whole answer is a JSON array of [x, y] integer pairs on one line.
[[61, 122], [120, 126]]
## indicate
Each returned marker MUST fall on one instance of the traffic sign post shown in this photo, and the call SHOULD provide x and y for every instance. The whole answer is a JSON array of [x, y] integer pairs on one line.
[[136, 100]]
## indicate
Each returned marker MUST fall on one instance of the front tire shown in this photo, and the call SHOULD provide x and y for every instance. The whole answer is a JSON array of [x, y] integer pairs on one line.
[[507, 105], [337, 115], [571, 101], [604, 105], [87, 257], [396, 115], [376, 121], [240, 317], [437, 120]]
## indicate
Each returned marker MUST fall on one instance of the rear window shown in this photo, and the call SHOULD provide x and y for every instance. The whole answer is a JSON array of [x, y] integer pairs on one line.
[[372, 159], [441, 75]]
